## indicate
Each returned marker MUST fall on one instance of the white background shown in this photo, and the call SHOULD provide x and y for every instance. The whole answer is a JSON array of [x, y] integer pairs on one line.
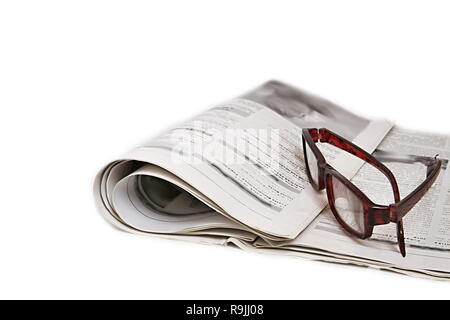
[[81, 82]]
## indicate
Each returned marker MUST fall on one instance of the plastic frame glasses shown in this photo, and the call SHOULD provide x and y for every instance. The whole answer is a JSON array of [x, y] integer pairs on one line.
[[374, 214]]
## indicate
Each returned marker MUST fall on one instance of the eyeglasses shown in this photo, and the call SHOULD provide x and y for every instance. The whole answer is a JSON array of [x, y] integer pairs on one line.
[[352, 208]]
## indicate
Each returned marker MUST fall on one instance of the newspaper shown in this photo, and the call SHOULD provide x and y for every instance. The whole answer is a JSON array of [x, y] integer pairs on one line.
[[236, 174]]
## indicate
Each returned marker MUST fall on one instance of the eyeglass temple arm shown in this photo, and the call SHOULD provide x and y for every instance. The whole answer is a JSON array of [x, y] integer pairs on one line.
[[327, 136], [400, 209]]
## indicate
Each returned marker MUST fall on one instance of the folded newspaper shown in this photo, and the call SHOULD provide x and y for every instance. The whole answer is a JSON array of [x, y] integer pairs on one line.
[[235, 175]]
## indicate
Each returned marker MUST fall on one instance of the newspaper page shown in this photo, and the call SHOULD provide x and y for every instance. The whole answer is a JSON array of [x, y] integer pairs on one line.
[[427, 231], [242, 159]]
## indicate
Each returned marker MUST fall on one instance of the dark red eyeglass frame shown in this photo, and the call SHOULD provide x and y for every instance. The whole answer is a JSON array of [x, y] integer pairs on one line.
[[374, 214]]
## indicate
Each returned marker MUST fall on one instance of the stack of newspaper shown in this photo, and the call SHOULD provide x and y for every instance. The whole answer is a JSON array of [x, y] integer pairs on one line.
[[235, 174]]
